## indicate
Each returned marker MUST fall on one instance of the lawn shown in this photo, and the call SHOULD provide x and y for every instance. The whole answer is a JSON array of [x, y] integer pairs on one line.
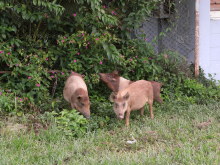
[[177, 135]]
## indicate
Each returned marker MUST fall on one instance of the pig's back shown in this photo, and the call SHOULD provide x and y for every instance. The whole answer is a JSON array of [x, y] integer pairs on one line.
[[72, 84], [140, 92], [123, 83]]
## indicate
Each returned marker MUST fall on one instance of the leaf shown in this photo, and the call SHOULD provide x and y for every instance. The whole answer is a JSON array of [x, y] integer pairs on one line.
[[35, 2]]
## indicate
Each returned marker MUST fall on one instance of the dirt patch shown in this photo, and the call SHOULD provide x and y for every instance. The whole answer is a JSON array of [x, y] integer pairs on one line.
[[36, 124], [18, 125], [13, 128], [204, 125]]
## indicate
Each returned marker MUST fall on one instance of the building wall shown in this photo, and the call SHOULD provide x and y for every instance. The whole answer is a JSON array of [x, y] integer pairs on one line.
[[214, 59], [204, 33], [209, 41]]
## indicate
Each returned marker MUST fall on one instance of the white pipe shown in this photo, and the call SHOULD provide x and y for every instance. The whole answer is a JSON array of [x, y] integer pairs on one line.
[[196, 56]]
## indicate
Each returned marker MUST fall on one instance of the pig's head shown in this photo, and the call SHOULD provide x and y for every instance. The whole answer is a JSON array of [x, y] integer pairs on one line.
[[120, 104], [157, 88], [80, 101], [111, 79]]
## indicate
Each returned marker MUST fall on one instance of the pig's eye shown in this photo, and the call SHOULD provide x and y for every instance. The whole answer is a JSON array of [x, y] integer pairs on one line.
[[82, 104], [113, 80], [124, 105]]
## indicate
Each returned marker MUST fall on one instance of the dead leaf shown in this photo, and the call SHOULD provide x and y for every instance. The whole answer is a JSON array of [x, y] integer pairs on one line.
[[151, 132], [204, 124]]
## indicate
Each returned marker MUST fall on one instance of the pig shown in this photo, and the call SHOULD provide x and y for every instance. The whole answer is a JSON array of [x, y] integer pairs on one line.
[[134, 97], [117, 83], [75, 92]]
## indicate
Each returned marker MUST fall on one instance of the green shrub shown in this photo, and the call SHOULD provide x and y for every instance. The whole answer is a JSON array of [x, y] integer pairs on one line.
[[71, 123]]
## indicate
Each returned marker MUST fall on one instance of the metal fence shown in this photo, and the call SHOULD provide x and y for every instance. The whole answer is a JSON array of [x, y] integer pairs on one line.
[[176, 23]]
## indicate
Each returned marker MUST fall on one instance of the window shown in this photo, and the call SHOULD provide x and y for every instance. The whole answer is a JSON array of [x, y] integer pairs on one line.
[[215, 9], [215, 5]]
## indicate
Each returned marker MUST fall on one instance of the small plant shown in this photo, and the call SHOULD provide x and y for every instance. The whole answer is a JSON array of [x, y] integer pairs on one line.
[[71, 123], [10, 103]]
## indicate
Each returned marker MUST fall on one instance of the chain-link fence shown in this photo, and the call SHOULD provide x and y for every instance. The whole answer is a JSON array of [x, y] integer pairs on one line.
[[172, 28]]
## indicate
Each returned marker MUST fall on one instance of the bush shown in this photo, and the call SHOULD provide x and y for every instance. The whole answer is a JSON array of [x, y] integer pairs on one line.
[[71, 123]]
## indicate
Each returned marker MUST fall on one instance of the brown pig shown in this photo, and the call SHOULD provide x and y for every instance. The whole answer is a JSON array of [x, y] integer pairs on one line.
[[76, 93], [134, 97], [117, 83]]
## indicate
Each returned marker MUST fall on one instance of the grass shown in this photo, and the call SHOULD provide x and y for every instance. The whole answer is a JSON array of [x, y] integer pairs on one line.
[[177, 135]]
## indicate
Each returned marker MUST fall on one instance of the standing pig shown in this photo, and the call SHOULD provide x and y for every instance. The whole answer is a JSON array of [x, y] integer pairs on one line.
[[134, 97], [76, 93], [117, 83]]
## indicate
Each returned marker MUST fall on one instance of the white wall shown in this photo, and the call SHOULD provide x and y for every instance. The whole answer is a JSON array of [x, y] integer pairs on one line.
[[214, 59], [209, 41], [204, 34]]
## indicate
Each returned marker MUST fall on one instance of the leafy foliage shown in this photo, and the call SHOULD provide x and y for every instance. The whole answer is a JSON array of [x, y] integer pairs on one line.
[[71, 123], [11, 104]]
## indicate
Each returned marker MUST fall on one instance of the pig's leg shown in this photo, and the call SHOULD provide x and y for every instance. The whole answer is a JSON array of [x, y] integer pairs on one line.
[[142, 111], [151, 110], [127, 117], [159, 100]]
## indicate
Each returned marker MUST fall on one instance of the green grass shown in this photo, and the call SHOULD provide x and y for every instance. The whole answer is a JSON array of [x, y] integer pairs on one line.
[[171, 138]]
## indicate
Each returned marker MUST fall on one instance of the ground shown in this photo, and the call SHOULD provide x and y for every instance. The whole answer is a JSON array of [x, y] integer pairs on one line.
[[178, 135]]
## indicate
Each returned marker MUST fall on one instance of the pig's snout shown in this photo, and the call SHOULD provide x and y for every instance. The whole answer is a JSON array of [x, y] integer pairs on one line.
[[121, 116], [87, 117]]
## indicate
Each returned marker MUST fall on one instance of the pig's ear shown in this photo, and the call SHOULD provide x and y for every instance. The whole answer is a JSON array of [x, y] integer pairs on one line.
[[101, 74], [125, 97], [115, 72], [112, 96]]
